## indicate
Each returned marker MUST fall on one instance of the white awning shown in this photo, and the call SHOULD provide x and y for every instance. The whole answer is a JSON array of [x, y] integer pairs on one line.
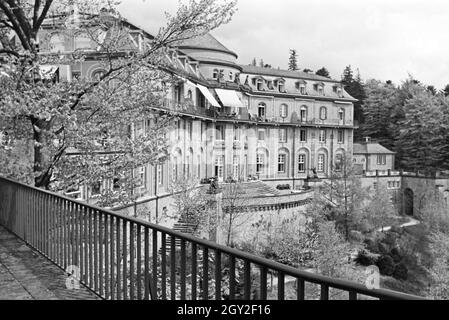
[[208, 96], [47, 72], [229, 98]]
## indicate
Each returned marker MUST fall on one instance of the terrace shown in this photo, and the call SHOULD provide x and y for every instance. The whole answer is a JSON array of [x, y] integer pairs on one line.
[[120, 257]]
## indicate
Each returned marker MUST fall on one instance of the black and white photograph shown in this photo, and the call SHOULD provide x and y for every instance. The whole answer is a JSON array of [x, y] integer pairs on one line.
[[240, 151]]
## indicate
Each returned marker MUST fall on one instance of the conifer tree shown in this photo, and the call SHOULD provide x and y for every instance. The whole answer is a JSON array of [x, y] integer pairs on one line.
[[293, 60]]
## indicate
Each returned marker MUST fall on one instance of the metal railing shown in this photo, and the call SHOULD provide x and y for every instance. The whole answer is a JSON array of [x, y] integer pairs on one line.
[[120, 257]]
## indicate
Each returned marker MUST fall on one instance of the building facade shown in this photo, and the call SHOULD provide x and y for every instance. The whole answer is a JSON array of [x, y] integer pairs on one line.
[[371, 156], [231, 121]]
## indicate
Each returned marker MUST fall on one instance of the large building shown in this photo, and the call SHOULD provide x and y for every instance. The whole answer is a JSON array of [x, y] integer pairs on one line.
[[233, 121], [272, 124]]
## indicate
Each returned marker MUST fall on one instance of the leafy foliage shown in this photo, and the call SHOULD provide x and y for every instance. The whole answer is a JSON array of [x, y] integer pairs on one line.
[[89, 118]]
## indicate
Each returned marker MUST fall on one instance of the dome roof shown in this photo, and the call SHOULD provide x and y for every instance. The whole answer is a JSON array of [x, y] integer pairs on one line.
[[205, 42]]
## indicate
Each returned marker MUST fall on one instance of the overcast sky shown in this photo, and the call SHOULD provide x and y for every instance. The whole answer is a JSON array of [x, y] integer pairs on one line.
[[385, 39]]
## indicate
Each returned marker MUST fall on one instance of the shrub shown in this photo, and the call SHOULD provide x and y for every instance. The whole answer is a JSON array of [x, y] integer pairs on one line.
[[396, 255], [400, 272], [386, 265], [366, 258], [283, 187]]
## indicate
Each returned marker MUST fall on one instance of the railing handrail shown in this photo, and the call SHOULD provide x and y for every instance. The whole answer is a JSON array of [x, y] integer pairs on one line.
[[271, 265]]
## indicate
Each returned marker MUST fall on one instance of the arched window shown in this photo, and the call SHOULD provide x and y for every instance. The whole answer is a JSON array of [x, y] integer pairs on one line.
[[303, 114], [231, 75], [189, 95], [323, 113], [261, 110], [284, 111], [215, 74]]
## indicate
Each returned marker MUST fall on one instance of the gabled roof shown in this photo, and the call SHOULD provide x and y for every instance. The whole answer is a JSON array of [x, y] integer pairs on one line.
[[371, 148]]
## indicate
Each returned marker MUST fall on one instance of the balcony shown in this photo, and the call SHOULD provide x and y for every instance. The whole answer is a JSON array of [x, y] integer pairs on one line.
[[120, 257]]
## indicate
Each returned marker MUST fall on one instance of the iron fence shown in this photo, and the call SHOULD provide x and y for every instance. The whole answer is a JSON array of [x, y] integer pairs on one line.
[[120, 257]]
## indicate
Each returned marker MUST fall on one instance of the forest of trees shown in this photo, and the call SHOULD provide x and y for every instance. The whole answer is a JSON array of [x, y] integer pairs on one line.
[[410, 119]]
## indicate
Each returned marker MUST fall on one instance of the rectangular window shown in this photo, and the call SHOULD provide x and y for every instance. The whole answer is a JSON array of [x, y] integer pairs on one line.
[[282, 135], [382, 159], [236, 133], [303, 135], [219, 167], [281, 163], [160, 177], [303, 115], [219, 133], [190, 129], [179, 129], [236, 167], [321, 159], [261, 135], [302, 163], [141, 177], [284, 111], [341, 136], [322, 136], [302, 89]]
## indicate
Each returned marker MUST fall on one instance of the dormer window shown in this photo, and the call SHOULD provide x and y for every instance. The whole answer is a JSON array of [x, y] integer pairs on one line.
[[338, 90], [281, 86], [231, 76], [319, 87], [259, 85], [301, 87]]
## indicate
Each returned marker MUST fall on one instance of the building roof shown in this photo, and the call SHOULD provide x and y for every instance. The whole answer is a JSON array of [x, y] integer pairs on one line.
[[284, 73], [207, 41], [371, 148]]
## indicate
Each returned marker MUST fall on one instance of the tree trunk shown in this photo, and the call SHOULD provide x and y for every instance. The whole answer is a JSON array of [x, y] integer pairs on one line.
[[42, 166]]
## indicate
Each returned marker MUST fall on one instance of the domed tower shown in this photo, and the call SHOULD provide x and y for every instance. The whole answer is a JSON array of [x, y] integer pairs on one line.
[[216, 61]]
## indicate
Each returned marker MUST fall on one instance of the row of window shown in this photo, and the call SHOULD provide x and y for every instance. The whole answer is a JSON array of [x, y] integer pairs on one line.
[[391, 185], [261, 112], [261, 135], [279, 85], [219, 74]]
